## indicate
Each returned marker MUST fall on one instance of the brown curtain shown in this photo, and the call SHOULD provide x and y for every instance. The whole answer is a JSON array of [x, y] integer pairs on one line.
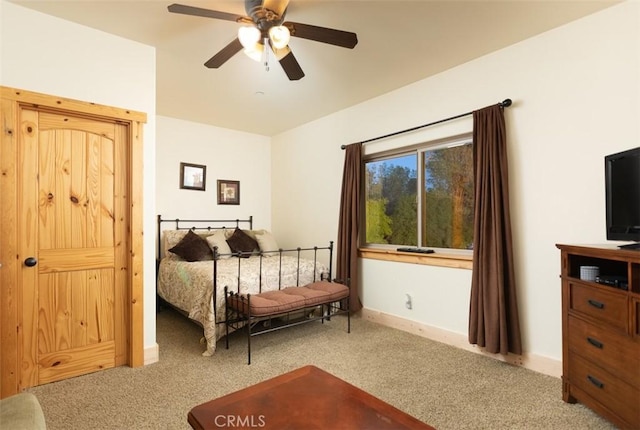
[[493, 317], [347, 256]]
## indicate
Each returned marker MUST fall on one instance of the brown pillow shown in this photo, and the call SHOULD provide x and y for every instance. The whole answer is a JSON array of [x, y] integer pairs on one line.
[[242, 242], [192, 248]]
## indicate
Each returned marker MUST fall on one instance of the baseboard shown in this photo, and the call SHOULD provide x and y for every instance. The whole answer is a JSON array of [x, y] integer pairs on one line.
[[533, 362], [152, 354]]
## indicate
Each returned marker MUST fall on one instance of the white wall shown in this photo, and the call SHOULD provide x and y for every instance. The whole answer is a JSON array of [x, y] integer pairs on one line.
[[576, 92], [577, 98], [45, 54], [228, 154]]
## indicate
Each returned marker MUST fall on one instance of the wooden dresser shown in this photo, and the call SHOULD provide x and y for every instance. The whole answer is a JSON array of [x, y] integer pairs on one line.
[[601, 332]]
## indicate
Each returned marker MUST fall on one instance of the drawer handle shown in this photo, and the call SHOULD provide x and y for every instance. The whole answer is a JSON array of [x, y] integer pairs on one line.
[[595, 342], [596, 304], [595, 381]]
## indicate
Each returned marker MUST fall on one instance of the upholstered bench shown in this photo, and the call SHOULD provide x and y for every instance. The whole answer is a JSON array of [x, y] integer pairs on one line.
[[21, 412], [246, 310]]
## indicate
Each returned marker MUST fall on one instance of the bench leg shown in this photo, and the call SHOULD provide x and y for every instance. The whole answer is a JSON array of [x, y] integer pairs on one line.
[[226, 315], [249, 342], [249, 329], [348, 316]]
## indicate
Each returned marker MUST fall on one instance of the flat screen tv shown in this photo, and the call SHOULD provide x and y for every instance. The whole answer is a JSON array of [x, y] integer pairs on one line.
[[622, 187]]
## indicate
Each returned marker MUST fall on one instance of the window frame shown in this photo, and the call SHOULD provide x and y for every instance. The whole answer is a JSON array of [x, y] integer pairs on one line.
[[447, 257]]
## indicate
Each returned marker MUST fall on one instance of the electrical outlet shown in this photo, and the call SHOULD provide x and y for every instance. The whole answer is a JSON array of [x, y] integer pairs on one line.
[[409, 302]]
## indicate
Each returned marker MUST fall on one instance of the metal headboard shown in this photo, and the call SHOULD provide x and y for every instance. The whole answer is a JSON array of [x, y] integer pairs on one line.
[[199, 224]]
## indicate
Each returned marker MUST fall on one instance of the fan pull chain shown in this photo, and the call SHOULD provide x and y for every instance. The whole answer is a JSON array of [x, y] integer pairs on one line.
[[265, 54]]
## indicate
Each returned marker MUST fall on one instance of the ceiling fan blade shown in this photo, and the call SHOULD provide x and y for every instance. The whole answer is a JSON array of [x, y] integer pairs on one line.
[[277, 6], [345, 39], [289, 64], [207, 13], [224, 54]]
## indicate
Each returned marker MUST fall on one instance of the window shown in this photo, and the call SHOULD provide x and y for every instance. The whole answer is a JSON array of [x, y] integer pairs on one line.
[[391, 204], [421, 197]]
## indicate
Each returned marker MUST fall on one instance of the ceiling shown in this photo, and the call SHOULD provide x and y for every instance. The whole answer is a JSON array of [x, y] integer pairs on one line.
[[399, 42]]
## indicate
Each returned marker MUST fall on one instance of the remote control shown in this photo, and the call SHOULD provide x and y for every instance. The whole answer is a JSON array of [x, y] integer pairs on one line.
[[416, 250]]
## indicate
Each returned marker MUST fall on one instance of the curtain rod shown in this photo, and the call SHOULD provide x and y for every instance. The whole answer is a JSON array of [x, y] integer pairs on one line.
[[505, 103]]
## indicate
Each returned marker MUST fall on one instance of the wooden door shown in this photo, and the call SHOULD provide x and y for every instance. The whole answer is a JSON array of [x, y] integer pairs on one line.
[[71, 199], [72, 227]]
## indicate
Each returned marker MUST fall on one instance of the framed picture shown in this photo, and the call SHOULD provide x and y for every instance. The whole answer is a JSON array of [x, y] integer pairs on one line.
[[193, 176], [228, 192]]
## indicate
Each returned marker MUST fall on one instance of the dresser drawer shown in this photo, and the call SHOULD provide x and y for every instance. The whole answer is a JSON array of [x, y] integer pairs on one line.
[[606, 306], [611, 350], [613, 393]]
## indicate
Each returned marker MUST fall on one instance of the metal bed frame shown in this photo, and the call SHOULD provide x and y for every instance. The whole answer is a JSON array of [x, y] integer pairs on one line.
[[195, 225], [237, 321]]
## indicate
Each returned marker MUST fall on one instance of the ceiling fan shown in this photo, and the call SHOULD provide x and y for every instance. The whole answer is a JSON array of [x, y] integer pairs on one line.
[[264, 30]]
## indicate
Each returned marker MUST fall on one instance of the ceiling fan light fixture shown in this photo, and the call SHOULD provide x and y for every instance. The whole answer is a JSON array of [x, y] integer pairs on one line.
[[255, 52], [264, 20], [279, 36], [248, 36]]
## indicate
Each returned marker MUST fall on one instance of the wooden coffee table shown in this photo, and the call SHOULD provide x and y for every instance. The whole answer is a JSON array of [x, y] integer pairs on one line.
[[306, 398]]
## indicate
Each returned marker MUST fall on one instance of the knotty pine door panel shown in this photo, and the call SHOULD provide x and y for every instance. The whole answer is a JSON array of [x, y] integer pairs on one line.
[[73, 220]]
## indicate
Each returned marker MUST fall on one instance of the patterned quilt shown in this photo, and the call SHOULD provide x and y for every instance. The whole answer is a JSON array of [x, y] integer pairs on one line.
[[189, 286]]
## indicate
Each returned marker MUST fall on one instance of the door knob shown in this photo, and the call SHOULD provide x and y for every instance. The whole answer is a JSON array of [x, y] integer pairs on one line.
[[30, 262]]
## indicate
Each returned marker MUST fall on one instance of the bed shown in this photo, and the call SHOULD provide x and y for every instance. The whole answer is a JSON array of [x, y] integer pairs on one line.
[[188, 272]]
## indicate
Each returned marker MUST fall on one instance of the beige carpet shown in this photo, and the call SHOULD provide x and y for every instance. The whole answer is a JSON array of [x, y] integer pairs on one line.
[[444, 386]]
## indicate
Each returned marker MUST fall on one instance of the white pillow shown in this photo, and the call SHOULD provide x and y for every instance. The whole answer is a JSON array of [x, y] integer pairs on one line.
[[267, 242], [219, 239]]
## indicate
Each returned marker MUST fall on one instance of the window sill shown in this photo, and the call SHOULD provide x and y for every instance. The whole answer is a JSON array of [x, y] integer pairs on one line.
[[435, 259]]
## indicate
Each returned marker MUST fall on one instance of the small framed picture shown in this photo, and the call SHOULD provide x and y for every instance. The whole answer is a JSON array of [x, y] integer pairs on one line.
[[228, 192], [193, 176]]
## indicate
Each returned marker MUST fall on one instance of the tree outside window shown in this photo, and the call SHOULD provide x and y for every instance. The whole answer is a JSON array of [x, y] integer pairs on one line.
[[442, 177]]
